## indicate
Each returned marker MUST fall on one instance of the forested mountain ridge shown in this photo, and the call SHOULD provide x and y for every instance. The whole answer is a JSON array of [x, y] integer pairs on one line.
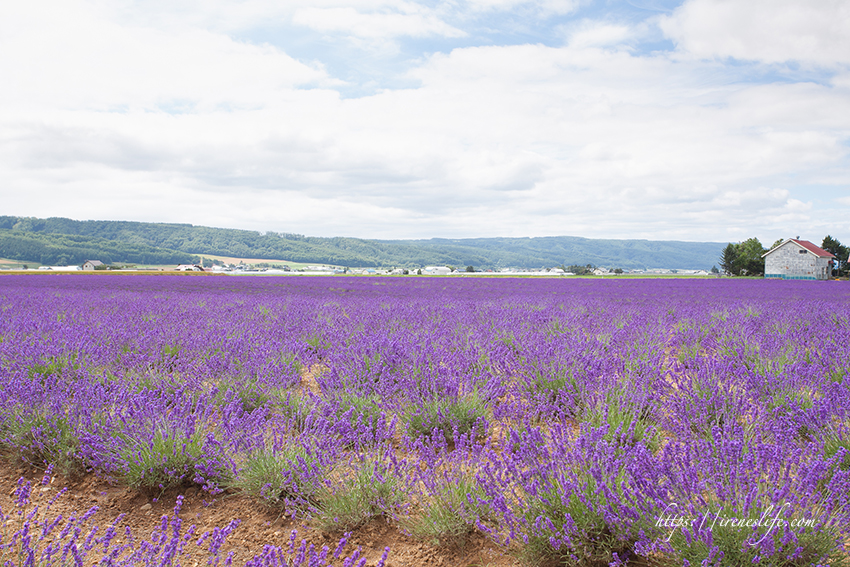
[[69, 249], [176, 243]]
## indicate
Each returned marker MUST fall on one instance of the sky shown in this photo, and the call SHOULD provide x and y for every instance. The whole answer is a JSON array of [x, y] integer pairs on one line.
[[696, 120]]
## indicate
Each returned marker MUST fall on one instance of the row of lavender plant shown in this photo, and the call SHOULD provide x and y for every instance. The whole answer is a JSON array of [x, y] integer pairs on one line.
[[34, 535], [575, 421]]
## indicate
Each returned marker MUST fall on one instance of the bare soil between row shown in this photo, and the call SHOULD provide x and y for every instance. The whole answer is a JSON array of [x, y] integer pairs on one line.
[[259, 526]]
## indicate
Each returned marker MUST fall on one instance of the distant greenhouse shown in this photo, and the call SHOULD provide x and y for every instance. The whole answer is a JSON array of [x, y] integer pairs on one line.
[[436, 270]]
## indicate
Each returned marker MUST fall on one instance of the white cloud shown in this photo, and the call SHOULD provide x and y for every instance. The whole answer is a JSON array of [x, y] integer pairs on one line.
[[590, 139], [233, 15], [771, 31], [410, 21], [599, 34], [543, 6], [80, 59]]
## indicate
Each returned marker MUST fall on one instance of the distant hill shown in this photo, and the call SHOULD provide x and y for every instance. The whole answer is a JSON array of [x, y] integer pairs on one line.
[[64, 250], [50, 240]]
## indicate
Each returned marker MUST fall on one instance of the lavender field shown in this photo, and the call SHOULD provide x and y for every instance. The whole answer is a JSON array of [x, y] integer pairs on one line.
[[574, 422]]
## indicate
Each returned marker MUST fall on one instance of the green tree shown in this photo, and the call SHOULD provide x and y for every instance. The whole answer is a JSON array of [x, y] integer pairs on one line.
[[834, 247], [743, 258], [470, 269], [750, 257], [729, 259]]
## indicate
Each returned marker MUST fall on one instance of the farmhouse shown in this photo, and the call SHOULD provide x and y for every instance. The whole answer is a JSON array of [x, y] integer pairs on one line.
[[91, 264], [797, 260]]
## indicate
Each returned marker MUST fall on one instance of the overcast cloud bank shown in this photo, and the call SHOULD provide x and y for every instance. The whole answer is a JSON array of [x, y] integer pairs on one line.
[[706, 120]]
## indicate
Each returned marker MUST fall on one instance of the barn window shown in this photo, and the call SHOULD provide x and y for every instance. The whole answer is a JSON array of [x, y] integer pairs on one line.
[[801, 251]]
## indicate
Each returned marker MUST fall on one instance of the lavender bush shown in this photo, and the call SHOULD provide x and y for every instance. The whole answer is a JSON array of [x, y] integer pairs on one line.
[[34, 536], [565, 419]]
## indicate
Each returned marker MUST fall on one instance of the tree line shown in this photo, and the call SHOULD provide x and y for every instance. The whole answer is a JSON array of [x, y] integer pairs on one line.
[[746, 258], [483, 253], [71, 250]]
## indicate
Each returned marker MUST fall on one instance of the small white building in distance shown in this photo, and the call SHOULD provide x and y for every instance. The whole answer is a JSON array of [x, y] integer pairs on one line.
[[436, 270], [91, 264], [797, 260], [60, 268]]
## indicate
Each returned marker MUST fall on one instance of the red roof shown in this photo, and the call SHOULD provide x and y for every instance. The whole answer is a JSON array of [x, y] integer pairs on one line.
[[820, 252]]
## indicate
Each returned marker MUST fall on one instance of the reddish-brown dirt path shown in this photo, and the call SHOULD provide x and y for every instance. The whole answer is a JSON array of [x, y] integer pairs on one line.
[[258, 526]]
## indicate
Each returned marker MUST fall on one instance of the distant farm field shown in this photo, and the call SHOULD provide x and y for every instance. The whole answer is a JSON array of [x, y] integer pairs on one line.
[[563, 421]]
